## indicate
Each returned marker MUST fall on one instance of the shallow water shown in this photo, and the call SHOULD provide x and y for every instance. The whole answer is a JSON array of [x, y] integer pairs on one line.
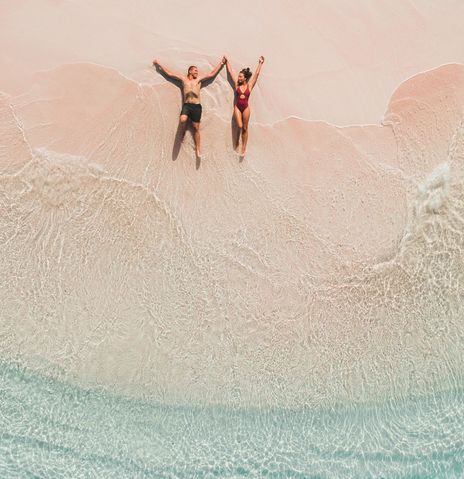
[[52, 429]]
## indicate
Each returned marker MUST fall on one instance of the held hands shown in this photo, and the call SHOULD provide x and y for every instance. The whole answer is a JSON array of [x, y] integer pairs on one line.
[[224, 60]]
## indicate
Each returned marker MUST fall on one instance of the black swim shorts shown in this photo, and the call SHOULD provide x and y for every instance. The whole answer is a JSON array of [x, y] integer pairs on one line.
[[193, 111]]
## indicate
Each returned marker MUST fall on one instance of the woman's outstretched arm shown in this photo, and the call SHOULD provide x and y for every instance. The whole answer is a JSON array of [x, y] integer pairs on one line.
[[255, 76], [231, 74]]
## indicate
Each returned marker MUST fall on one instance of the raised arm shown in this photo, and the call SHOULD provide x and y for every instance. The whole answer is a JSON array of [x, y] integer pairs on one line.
[[255, 76], [231, 73], [166, 71], [214, 71]]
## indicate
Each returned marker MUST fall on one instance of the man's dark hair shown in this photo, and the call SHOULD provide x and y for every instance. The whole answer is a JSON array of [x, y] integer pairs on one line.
[[190, 67]]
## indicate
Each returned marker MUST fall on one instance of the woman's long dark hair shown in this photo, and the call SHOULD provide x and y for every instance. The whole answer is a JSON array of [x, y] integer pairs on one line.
[[247, 73]]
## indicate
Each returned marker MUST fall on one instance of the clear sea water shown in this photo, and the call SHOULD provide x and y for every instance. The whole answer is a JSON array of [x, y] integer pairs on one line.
[[51, 429]]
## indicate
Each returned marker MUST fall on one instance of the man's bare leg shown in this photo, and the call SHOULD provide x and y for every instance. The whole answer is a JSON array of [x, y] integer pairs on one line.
[[196, 137], [179, 138], [183, 124]]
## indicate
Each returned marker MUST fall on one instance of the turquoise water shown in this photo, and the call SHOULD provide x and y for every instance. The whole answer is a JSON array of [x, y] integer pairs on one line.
[[53, 429]]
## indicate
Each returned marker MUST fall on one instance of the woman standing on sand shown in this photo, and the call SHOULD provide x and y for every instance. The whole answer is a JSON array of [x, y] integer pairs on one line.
[[243, 84]]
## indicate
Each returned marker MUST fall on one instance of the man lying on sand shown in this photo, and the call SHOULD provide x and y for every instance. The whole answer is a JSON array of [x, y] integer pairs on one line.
[[191, 85]]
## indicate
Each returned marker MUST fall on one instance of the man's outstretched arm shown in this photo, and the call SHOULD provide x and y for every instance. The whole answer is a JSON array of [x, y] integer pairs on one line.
[[166, 71], [214, 71]]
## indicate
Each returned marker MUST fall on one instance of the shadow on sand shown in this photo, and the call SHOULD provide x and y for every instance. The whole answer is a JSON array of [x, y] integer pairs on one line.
[[179, 138]]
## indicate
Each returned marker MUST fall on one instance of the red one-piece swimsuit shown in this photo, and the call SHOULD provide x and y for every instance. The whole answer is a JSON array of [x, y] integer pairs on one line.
[[241, 101]]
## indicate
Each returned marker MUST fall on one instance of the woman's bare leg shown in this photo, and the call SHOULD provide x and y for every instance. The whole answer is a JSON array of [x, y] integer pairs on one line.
[[239, 121], [246, 119]]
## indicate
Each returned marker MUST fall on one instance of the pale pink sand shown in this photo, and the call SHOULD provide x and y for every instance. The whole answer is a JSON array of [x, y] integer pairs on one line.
[[14, 148], [335, 61], [286, 278]]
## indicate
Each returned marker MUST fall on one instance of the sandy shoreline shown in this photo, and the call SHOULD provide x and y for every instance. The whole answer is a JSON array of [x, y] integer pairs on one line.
[[325, 267]]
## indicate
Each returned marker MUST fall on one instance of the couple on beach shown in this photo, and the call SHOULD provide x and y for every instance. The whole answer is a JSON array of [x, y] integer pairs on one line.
[[244, 83]]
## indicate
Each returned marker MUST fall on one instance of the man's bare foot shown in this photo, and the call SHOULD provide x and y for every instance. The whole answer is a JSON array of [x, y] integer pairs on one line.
[[198, 154], [243, 153]]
